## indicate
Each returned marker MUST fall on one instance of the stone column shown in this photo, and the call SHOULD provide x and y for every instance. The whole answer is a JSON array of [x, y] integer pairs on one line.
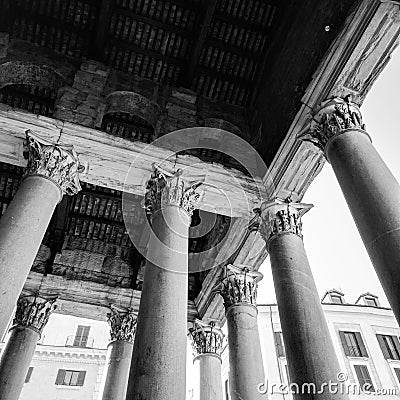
[[246, 368], [158, 365], [119, 354], [207, 341], [51, 172], [371, 191], [309, 349], [30, 318]]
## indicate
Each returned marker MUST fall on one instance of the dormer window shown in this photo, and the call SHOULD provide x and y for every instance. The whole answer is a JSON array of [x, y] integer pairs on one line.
[[368, 299], [336, 299]]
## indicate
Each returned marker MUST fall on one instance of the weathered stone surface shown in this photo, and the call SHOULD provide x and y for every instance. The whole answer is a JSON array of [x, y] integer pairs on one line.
[[4, 40], [23, 224], [81, 103], [304, 328]]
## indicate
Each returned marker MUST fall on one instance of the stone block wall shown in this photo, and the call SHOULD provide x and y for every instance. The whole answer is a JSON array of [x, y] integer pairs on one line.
[[88, 90], [83, 103]]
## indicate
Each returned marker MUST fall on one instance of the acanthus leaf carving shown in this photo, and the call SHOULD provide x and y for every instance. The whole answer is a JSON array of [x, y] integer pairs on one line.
[[122, 324], [56, 162], [33, 311], [239, 286], [281, 217], [206, 338], [165, 188], [333, 117]]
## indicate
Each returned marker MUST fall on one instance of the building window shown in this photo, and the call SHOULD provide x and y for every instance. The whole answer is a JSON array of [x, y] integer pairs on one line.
[[28, 375], [81, 336], [70, 378], [364, 378], [353, 344], [227, 396], [280, 348], [370, 301], [397, 372], [390, 346], [336, 299]]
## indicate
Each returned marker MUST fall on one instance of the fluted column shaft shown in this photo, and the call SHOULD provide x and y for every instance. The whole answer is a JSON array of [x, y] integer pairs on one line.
[[371, 191], [119, 354], [246, 368], [158, 368], [52, 171], [31, 316], [207, 342], [310, 353]]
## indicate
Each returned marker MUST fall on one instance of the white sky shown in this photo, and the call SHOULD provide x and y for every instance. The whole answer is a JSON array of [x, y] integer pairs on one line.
[[334, 248]]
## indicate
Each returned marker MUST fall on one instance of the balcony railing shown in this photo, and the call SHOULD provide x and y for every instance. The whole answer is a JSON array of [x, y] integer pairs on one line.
[[79, 341]]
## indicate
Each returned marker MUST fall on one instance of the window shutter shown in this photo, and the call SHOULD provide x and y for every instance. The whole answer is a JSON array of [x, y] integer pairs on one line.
[[344, 344], [60, 377], [397, 372], [397, 344], [361, 345], [383, 346], [81, 378], [28, 374], [279, 344], [227, 389]]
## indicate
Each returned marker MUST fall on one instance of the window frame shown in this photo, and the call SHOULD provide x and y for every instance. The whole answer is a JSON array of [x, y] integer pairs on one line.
[[61, 377], [336, 296], [366, 299], [279, 344], [81, 340], [226, 389], [359, 341], [371, 377], [385, 348], [393, 367], [28, 375]]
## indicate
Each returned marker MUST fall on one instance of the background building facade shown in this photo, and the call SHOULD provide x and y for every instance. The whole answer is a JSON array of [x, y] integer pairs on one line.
[[365, 338], [69, 360]]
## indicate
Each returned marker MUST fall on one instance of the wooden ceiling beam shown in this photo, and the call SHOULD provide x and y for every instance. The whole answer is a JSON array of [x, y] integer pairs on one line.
[[198, 45], [87, 299], [241, 23], [4, 15], [153, 22], [147, 52], [100, 33]]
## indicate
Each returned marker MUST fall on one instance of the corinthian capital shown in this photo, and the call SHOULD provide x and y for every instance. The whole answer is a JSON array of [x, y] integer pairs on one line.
[[56, 162], [279, 217], [333, 117], [239, 286], [165, 188], [122, 324], [33, 311], [206, 338]]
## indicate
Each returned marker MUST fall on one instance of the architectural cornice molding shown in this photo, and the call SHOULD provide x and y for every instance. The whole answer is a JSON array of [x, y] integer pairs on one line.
[[89, 299], [58, 163], [70, 356], [122, 323], [206, 338], [331, 118], [239, 286], [33, 311], [281, 217], [170, 189]]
